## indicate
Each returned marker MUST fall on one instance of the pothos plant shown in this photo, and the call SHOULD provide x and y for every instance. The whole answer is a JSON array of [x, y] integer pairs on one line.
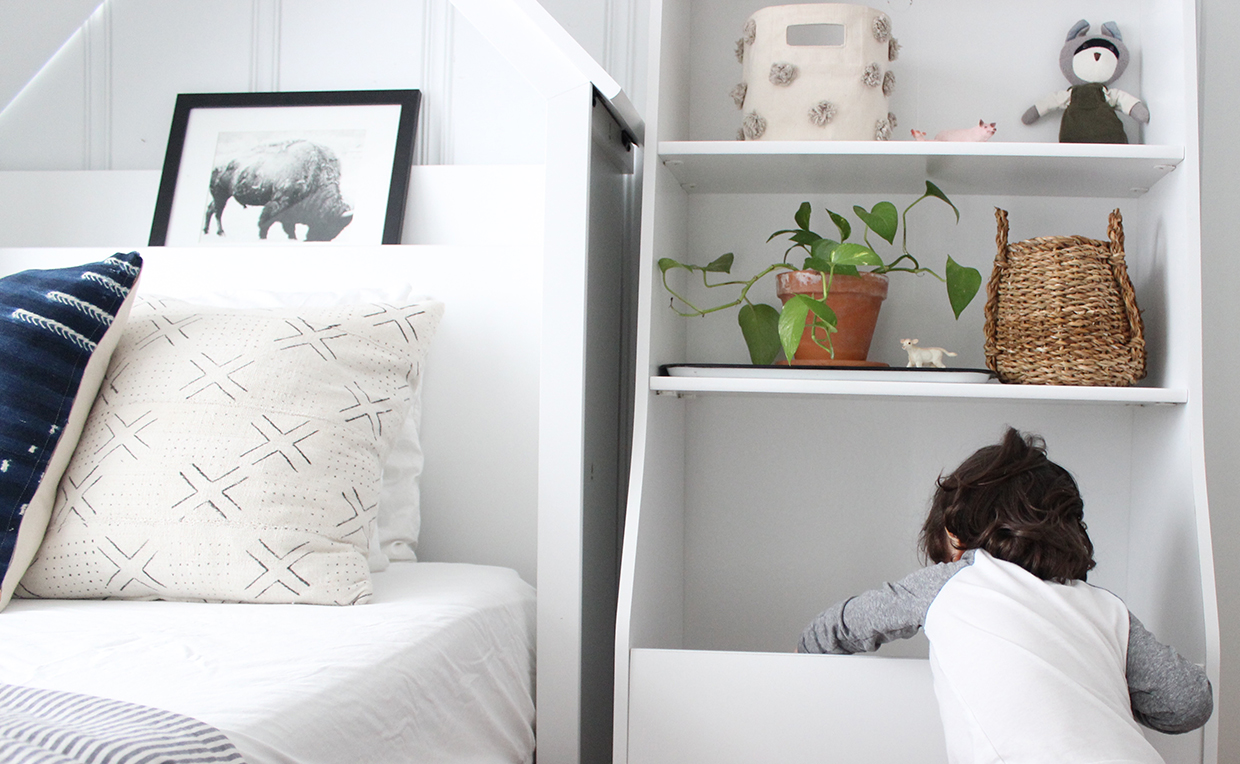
[[767, 329]]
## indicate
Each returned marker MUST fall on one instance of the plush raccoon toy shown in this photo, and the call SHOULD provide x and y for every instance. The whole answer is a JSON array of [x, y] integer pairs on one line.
[[1091, 63]]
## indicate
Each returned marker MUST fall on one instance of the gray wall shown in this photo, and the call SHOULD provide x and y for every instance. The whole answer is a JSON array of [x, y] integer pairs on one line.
[[1220, 192]]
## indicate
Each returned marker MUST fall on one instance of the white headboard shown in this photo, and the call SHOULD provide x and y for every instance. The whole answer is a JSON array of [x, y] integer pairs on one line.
[[480, 426]]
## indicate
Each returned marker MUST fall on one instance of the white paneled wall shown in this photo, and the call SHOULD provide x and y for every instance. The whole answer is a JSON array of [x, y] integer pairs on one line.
[[105, 100], [30, 33], [614, 33]]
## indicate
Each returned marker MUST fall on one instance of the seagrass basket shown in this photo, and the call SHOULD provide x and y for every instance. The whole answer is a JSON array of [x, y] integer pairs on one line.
[[1060, 310]]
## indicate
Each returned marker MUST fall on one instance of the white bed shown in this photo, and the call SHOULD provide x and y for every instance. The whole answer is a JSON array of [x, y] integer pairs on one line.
[[308, 684], [438, 664]]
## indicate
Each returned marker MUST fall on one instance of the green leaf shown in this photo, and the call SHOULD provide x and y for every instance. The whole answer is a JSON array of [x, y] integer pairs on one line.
[[721, 264], [667, 263], [855, 254], [935, 191], [882, 220], [962, 285], [806, 238], [802, 216], [797, 235], [846, 270], [822, 250], [824, 313], [792, 321], [816, 264], [760, 327], [841, 223], [792, 324]]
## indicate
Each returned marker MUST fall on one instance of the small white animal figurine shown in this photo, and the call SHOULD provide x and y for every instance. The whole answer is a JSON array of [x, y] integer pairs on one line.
[[978, 134], [919, 357]]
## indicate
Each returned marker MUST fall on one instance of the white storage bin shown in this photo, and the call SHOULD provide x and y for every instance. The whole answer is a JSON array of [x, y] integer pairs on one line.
[[806, 92]]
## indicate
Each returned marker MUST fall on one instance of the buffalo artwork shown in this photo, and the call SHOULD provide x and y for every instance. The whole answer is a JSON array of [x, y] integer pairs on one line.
[[294, 181]]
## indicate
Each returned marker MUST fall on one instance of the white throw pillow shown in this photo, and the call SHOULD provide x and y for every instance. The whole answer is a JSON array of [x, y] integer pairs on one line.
[[400, 505], [236, 455]]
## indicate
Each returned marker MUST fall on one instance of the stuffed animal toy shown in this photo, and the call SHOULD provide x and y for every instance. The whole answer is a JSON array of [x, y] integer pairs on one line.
[[1091, 63]]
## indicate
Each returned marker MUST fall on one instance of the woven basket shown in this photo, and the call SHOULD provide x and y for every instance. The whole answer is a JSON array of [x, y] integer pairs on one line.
[[1060, 310]]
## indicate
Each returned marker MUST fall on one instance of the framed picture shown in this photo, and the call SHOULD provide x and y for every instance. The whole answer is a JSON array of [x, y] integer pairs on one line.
[[286, 168]]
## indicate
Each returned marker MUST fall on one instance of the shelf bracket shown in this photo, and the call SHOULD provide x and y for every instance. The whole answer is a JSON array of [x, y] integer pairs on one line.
[[677, 393]]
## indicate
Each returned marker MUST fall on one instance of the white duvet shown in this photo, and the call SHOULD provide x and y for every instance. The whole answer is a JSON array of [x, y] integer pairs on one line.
[[438, 667]]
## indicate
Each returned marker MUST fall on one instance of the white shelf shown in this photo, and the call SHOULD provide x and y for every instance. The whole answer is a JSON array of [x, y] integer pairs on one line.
[[698, 705], [1138, 396], [1017, 169], [718, 523]]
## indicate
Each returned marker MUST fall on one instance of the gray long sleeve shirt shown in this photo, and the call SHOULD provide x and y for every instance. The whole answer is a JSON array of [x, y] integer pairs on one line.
[[1167, 692]]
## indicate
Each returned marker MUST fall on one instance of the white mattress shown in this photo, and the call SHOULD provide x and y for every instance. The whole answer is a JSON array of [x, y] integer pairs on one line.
[[438, 667]]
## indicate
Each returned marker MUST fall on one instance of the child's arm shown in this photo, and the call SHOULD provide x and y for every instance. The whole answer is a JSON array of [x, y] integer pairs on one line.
[[1168, 692], [892, 611]]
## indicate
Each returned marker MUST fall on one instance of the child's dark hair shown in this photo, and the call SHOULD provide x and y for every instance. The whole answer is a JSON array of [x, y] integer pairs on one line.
[[1017, 505]]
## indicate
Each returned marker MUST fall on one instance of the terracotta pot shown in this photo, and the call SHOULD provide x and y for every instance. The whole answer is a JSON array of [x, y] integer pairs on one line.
[[856, 301]]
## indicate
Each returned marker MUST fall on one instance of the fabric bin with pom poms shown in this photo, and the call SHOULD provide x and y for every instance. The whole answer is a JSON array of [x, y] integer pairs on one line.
[[835, 88]]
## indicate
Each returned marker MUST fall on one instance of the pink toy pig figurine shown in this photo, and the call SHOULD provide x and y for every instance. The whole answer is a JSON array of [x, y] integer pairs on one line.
[[977, 134]]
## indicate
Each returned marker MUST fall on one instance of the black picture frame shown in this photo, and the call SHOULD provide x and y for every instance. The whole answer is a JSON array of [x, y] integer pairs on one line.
[[380, 126]]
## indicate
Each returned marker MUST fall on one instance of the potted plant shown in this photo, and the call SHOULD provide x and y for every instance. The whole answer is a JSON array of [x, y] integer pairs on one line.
[[816, 323]]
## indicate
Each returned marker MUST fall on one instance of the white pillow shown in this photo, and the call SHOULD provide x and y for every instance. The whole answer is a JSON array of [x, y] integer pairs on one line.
[[236, 455], [400, 505]]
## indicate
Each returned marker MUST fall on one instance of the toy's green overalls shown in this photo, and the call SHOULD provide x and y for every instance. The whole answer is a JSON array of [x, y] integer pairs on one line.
[[1089, 118]]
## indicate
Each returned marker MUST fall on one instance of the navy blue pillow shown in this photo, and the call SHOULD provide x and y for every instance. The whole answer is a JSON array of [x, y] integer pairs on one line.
[[58, 329]]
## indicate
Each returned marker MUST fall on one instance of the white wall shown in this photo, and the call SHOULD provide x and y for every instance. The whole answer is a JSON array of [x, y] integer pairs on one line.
[[32, 32], [105, 100], [101, 97], [614, 33]]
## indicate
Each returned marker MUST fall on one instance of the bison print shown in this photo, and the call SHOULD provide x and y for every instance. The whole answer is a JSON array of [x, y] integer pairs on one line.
[[294, 181]]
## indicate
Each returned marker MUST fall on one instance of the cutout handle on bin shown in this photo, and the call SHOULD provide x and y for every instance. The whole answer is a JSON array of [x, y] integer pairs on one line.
[[833, 35]]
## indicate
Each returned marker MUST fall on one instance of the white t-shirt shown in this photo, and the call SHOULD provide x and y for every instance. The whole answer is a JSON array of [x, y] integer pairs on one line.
[[1011, 652]]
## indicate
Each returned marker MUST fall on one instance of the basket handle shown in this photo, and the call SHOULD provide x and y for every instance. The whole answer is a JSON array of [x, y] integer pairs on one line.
[[1115, 232], [1119, 272], [1001, 237], [991, 310]]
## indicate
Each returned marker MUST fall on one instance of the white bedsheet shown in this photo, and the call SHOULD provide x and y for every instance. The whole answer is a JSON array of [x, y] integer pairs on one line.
[[437, 668]]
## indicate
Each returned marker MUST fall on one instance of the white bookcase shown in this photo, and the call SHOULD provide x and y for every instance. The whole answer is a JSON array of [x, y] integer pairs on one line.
[[754, 504]]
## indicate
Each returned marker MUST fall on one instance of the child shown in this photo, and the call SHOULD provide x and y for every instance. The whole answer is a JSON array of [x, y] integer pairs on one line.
[[1030, 663]]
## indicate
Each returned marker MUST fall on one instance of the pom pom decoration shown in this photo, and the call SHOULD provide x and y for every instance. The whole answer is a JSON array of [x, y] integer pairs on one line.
[[822, 113], [872, 76], [738, 94], [754, 126], [783, 74]]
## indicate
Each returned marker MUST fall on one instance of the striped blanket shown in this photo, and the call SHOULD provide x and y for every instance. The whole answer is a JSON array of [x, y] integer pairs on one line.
[[50, 727]]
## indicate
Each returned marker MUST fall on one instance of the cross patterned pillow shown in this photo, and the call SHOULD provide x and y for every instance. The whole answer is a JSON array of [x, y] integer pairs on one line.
[[235, 455]]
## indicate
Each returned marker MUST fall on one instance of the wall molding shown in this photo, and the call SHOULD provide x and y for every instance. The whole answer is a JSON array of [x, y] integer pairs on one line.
[[265, 35], [97, 90], [435, 134], [620, 20]]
